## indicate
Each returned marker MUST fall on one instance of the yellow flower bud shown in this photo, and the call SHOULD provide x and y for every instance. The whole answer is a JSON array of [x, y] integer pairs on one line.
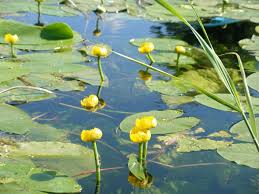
[[257, 29], [97, 32], [146, 123], [139, 136], [90, 101], [99, 51], [91, 135], [146, 47], [11, 39], [180, 49], [146, 76]]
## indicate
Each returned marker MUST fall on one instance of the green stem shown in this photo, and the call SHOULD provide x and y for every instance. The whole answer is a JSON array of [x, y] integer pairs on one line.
[[200, 89], [39, 12], [140, 155], [97, 163], [97, 188], [99, 89], [251, 131], [177, 63], [145, 145], [13, 54], [102, 2], [100, 69], [152, 60]]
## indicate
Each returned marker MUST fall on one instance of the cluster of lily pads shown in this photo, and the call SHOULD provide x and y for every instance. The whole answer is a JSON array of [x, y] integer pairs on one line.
[[59, 66]]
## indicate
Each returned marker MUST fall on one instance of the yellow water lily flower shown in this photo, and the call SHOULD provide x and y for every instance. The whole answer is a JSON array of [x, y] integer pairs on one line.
[[139, 136], [180, 49], [91, 135], [146, 47], [146, 123], [90, 101], [144, 75], [99, 51], [11, 39]]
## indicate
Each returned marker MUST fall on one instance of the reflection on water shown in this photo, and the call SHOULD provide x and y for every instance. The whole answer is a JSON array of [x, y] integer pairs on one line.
[[127, 94]]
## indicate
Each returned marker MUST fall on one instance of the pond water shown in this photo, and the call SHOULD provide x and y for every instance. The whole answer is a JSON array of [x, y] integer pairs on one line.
[[195, 172]]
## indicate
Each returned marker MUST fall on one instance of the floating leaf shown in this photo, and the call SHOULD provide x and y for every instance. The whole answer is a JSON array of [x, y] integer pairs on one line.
[[241, 131], [55, 156], [253, 80], [242, 153], [50, 7], [191, 144], [251, 45], [14, 120], [135, 168], [168, 121], [57, 35], [153, 11], [204, 100], [27, 178]]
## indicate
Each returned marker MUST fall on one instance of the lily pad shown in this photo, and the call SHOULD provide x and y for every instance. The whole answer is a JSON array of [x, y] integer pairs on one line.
[[190, 143], [50, 7], [205, 100], [242, 153], [24, 177], [168, 121], [164, 53], [110, 6], [56, 35], [253, 80], [14, 120], [251, 45], [153, 11], [56, 156], [241, 131]]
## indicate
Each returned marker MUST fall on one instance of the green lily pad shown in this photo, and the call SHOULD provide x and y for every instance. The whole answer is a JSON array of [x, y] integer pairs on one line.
[[11, 71], [50, 7], [251, 45], [242, 153], [164, 53], [110, 6], [153, 11], [24, 177], [190, 143], [53, 36], [55, 156], [14, 120], [205, 100], [173, 101], [241, 131], [253, 80], [135, 168], [168, 121], [61, 71]]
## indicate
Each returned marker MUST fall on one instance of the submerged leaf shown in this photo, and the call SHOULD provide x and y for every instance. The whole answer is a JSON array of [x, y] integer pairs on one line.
[[135, 168]]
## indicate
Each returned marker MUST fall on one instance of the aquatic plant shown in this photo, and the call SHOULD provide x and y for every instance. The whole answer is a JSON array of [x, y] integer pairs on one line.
[[147, 48], [141, 134], [100, 52], [39, 2], [179, 50], [11, 39], [223, 74], [93, 135]]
